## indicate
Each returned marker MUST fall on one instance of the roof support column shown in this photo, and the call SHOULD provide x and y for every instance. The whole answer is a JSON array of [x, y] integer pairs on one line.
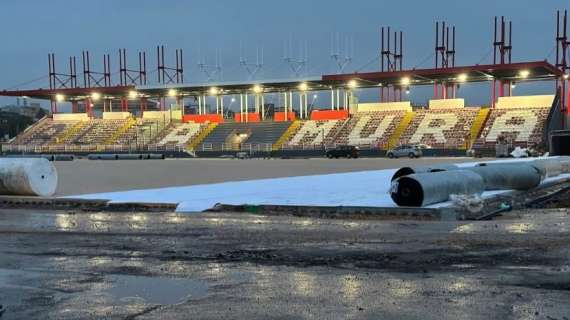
[[241, 98], [122, 104], [301, 106], [290, 101], [87, 105], [332, 98], [179, 104], [246, 108], [501, 88], [306, 106], [74, 106], [217, 104], [53, 104], [493, 92], [567, 95], [349, 96], [262, 106], [285, 105], [199, 105]]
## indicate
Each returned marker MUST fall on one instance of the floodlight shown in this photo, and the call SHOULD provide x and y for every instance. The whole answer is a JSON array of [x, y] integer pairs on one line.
[[352, 84]]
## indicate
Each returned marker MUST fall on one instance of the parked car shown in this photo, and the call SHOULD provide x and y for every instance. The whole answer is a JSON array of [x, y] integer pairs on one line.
[[343, 152], [242, 155], [424, 146], [411, 151]]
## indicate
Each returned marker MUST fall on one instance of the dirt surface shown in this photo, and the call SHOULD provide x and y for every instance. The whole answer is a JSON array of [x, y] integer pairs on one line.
[[84, 176], [67, 265]]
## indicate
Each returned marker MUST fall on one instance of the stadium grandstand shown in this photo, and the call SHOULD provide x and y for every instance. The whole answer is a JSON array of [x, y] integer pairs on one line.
[[135, 116]]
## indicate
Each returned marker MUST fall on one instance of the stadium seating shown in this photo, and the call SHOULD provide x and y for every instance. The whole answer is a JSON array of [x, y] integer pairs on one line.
[[519, 126], [95, 132], [441, 128], [377, 126], [311, 133], [43, 132], [256, 135], [369, 128], [180, 134]]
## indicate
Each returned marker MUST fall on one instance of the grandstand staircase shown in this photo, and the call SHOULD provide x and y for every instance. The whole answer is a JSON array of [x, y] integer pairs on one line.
[[164, 132], [201, 136], [29, 131], [393, 141], [64, 136], [477, 126], [124, 128], [286, 135]]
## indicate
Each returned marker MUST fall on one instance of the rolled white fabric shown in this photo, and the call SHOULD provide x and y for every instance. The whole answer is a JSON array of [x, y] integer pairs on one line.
[[27, 177]]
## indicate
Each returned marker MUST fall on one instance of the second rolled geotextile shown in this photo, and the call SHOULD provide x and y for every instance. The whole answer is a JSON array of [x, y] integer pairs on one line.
[[421, 186]]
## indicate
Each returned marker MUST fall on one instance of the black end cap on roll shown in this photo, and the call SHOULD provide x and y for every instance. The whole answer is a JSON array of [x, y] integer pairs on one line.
[[402, 172], [407, 192]]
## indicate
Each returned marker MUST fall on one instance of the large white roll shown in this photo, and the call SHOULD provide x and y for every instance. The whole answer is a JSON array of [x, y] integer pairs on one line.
[[27, 177]]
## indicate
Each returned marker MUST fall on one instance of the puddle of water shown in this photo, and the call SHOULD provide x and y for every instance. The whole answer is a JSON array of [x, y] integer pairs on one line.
[[5, 275], [9, 276], [155, 290], [463, 266]]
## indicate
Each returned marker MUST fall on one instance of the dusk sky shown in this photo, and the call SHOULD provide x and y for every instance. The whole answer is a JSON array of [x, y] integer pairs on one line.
[[32, 28]]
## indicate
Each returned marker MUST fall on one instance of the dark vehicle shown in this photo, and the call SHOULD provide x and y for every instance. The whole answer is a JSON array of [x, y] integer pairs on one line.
[[343, 152]]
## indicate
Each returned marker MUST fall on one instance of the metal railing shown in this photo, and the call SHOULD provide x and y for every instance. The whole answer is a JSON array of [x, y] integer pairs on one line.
[[250, 147], [247, 147], [89, 148]]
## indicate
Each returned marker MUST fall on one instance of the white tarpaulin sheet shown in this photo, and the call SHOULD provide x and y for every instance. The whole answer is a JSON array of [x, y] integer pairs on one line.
[[364, 188]]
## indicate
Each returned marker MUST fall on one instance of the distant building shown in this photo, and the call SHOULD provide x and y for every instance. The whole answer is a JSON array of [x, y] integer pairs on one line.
[[33, 110]]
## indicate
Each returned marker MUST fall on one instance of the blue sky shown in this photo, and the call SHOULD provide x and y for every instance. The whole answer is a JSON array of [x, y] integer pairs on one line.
[[32, 28]]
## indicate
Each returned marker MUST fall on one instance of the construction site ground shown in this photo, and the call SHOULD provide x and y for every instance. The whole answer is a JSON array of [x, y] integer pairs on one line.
[[96, 265]]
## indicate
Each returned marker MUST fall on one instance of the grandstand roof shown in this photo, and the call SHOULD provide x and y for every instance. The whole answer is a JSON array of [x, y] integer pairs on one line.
[[539, 70]]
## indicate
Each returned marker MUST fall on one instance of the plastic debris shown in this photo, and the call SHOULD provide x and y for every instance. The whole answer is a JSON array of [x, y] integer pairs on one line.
[[519, 153], [472, 203]]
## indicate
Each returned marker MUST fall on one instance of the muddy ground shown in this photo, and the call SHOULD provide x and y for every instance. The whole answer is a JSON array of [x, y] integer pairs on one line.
[[73, 265]]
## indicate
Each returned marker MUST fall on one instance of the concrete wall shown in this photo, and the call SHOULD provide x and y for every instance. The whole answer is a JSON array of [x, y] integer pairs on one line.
[[446, 103], [116, 115], [163, 115], [70, 117], [542, 101], [384, 106]]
